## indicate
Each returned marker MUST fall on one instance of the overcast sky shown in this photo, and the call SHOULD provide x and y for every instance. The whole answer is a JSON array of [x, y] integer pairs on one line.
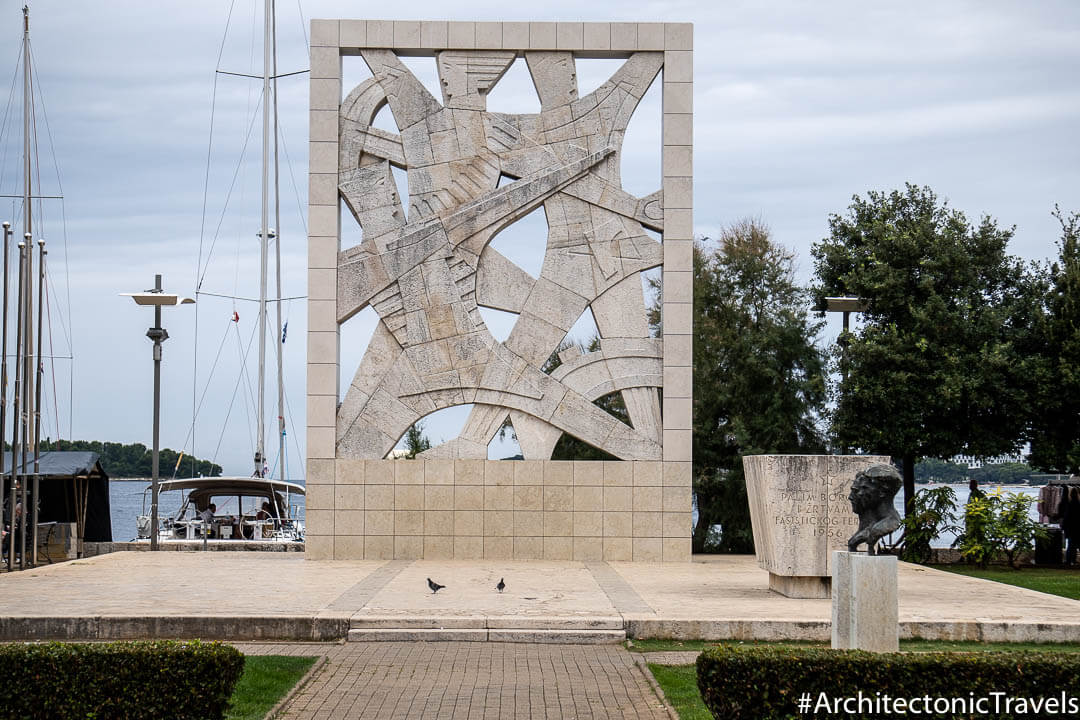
[[798, 106]]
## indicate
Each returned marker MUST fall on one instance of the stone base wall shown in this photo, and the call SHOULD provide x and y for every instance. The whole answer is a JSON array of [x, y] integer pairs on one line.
[[498, 509]]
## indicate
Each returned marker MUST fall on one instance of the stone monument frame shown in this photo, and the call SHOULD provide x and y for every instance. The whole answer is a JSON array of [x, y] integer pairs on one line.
[[628, 510]]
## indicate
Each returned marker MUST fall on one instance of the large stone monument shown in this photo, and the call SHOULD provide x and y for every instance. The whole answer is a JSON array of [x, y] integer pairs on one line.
[[800, 513], [427, 271]]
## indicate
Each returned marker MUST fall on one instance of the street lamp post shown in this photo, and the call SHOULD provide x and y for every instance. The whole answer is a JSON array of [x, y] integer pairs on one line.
[[845, 305], [158, 335]]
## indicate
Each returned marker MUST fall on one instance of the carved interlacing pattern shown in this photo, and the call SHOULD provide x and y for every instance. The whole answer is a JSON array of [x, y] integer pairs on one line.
[[425, 276]]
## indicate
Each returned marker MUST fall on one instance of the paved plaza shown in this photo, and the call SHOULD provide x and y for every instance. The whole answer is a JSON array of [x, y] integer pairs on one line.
[[280, 596], [470, 681]]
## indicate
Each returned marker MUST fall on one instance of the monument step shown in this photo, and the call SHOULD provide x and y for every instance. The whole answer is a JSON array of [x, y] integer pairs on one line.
[[570, 637], [418, 635], [518, 635], [494, 622]]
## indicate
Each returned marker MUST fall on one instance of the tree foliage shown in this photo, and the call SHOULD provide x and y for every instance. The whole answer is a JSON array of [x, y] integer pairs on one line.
[[416, 441], [759, 383], [1055, 436], [939, 366], [569, 447], [135, 460]]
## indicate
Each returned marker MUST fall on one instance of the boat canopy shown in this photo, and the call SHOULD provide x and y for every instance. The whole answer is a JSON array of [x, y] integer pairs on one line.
[[232, 485], [200, 491]]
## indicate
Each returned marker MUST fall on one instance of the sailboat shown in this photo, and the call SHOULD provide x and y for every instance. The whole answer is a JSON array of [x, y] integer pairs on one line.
[[263, 509]]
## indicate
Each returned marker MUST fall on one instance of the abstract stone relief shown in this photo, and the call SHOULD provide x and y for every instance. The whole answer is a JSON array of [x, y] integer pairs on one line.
[[426, 273]]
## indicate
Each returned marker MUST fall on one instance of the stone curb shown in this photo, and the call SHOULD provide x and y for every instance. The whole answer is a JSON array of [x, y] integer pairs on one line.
[[671, 657], [333, 626], [320, 661], [181, 627], [643, 665]]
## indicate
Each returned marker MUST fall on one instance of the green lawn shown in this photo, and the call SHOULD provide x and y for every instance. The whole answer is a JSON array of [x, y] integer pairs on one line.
[[679, 683], [266, 679], [646, 646], [1056, 581]]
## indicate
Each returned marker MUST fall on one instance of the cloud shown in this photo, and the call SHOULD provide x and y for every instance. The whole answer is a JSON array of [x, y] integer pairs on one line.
[[798, 107]]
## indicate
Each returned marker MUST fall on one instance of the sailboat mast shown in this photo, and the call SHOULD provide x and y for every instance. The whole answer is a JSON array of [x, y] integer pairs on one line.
[[27, 219], [28, 229], [28, 309], [264, 235], [280, 339]]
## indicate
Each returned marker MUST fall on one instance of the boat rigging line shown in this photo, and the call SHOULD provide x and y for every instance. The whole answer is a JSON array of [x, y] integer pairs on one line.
[[266, 108]]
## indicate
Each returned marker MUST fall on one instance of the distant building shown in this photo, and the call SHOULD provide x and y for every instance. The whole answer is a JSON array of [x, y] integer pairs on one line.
[[974, 463]]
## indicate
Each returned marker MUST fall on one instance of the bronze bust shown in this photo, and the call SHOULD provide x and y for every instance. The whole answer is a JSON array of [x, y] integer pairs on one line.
[[871, 498]]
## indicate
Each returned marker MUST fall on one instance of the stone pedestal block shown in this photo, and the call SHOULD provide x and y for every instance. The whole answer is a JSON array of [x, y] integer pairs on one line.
[[799, 586], [799, 511], [865, 602]]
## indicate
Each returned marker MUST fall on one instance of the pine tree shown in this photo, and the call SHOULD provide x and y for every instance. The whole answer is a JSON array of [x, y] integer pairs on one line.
[[759, 383]]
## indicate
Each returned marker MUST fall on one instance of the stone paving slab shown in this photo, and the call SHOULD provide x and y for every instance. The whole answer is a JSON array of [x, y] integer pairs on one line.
[[534, 588], [470, 681], [240, 596]]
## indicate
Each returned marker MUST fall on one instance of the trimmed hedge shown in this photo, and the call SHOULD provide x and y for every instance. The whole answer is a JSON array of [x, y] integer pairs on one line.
[[161, 679], [758, 682]]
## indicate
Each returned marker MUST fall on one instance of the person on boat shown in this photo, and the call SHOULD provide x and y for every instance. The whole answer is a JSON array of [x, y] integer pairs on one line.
[[207, 517], [264, 512]]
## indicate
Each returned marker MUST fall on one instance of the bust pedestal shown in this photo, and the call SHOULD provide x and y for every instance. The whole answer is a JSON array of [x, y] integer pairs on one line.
[[865, 602]]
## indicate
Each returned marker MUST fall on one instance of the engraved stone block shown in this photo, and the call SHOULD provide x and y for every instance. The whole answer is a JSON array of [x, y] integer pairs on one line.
[[799, 512]]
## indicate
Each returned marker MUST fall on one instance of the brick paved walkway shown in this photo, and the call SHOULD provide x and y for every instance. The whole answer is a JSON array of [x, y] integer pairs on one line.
[[471, 681]]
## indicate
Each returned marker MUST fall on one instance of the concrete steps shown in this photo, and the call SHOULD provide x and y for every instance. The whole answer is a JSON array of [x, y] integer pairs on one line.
[[477, 628]]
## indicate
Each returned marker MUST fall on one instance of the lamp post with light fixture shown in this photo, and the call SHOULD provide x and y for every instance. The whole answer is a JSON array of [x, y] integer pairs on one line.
[[845, 305], [158, 334]]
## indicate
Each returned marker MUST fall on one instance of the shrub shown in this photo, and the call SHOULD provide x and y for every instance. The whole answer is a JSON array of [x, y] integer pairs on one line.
[[977, 544], [932, 513], [760, 682], [161, 679], [996, 525]]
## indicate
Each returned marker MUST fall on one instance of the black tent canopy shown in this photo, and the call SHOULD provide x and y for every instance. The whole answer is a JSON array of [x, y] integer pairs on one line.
[[74, 489]]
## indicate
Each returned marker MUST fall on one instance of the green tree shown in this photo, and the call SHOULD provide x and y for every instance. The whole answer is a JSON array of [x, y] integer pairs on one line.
[[759, 384], [1055, 436], [569, 447], [135, 460], [416, 441], [938, 367], [941, 471]]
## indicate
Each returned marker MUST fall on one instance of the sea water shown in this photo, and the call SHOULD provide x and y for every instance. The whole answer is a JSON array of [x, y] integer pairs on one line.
[[126, 501], [962, 492], [130, 498]]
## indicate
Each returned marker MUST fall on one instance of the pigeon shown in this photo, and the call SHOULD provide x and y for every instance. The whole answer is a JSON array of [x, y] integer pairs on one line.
[[501, 586], [435, 587]]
